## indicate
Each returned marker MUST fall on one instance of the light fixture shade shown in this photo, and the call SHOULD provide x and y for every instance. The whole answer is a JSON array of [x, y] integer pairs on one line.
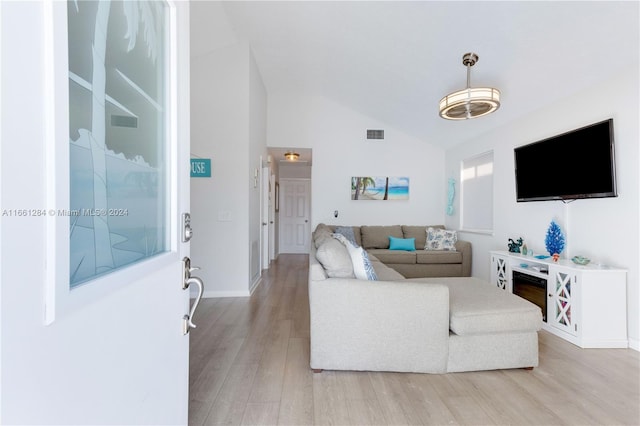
[[471, 102], [291, 156]]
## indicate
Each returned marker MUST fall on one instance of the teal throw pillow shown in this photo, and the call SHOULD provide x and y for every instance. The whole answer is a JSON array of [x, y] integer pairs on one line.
[[408, 244]]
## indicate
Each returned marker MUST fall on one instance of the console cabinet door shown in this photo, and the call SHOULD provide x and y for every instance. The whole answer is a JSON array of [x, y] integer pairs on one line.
[[561, 294], [500, 272]]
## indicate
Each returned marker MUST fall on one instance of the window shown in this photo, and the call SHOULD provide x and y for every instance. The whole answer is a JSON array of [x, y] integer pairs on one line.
[[476, 193], [118, 135]]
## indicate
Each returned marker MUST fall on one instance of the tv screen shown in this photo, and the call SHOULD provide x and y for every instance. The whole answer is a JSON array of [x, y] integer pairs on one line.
[[573, 165]]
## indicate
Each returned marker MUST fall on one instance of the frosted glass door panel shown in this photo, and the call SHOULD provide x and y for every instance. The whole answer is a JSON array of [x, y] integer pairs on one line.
[[118, 135]]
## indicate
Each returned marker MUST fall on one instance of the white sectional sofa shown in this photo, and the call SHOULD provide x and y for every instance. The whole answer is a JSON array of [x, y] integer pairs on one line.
[[426, 325]]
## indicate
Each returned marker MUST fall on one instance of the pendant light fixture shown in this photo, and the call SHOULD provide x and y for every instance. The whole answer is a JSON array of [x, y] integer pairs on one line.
[[469, 102], [291, 156]]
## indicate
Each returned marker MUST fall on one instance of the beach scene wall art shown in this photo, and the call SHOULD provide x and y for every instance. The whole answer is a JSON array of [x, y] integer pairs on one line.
[[379, 188]]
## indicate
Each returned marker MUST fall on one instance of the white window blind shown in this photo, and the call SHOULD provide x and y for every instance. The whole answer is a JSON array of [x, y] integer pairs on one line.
[[476, 177]]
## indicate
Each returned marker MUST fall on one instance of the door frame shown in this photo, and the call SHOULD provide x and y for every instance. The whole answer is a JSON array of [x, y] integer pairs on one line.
[[265, 217]]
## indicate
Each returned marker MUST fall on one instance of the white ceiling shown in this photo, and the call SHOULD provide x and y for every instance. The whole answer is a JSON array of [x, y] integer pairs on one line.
[[393, 60]]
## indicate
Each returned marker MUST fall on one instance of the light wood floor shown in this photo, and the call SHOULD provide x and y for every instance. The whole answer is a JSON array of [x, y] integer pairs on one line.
[[250, 365]]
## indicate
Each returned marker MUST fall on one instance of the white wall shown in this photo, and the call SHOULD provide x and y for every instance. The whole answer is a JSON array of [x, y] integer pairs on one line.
[[220, 130], [340, 150], [605, 230], [257, 159]]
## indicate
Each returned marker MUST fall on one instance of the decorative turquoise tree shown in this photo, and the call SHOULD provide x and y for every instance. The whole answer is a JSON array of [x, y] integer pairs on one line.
[[554, 241]]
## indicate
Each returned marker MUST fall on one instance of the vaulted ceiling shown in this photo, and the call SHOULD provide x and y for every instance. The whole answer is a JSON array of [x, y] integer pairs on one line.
[[394, 60]]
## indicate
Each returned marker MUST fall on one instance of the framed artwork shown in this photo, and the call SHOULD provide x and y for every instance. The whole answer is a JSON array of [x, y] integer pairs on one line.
[[277, 197], [381, 188]]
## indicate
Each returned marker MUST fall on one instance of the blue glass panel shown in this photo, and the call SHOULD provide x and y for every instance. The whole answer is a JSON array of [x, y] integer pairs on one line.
[[118, 137]]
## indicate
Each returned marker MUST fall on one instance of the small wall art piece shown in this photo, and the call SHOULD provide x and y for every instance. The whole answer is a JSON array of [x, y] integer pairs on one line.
[[379, 188], [451, 192]]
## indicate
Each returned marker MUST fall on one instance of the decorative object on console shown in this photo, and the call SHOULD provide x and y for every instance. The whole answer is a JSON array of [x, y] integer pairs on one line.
[[441, 239], [514, 246], [470, 102], [580, 260], [525, 251], [554, 241]]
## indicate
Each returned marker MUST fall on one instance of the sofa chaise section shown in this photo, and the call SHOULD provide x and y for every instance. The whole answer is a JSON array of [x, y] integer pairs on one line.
[[489, 328]]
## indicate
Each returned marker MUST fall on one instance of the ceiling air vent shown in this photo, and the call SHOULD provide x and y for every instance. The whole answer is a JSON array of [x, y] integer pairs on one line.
[[375, 134]]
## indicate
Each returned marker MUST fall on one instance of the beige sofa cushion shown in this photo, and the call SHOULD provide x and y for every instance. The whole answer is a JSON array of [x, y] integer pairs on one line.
[[394, 256], [384, 272], [356, 232], [438, 256], [478, 307], [321, 234], [378, 236]]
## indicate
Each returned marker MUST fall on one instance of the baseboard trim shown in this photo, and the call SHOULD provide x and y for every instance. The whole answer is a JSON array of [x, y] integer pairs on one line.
[[255, 285], [213, 294], [634, 344]]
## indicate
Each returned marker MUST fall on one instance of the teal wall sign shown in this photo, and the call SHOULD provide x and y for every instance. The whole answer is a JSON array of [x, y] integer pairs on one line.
[[200, 167]]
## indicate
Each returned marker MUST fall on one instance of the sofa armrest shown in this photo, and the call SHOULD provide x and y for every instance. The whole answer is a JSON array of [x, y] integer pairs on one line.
[[464, 247], [378, 325]]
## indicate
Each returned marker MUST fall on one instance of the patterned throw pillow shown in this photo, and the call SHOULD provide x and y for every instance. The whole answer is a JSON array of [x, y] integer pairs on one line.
[[441, 239], [362, 267], [347, 231]]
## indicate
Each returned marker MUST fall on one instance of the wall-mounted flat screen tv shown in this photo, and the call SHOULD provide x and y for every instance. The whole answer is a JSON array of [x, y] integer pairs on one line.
[[574, 165]]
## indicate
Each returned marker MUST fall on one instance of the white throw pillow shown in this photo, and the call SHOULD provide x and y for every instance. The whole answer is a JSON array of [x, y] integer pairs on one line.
[[441, 239], [335, 259], [362, 268]]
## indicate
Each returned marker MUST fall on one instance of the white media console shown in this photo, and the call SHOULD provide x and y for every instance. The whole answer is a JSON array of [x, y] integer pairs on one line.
[[585, 305]]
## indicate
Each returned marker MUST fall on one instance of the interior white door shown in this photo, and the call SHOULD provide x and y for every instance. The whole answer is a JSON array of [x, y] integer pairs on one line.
[[265, 209], [295, 215], [272, 219], [107, 348]]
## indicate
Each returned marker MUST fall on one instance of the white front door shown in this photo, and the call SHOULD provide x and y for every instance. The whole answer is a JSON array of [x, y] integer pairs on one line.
[[92, 303], [295, 215]]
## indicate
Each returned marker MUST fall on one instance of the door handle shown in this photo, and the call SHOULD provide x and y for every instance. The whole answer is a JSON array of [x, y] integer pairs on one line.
[[187, 320], [187, 323]]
